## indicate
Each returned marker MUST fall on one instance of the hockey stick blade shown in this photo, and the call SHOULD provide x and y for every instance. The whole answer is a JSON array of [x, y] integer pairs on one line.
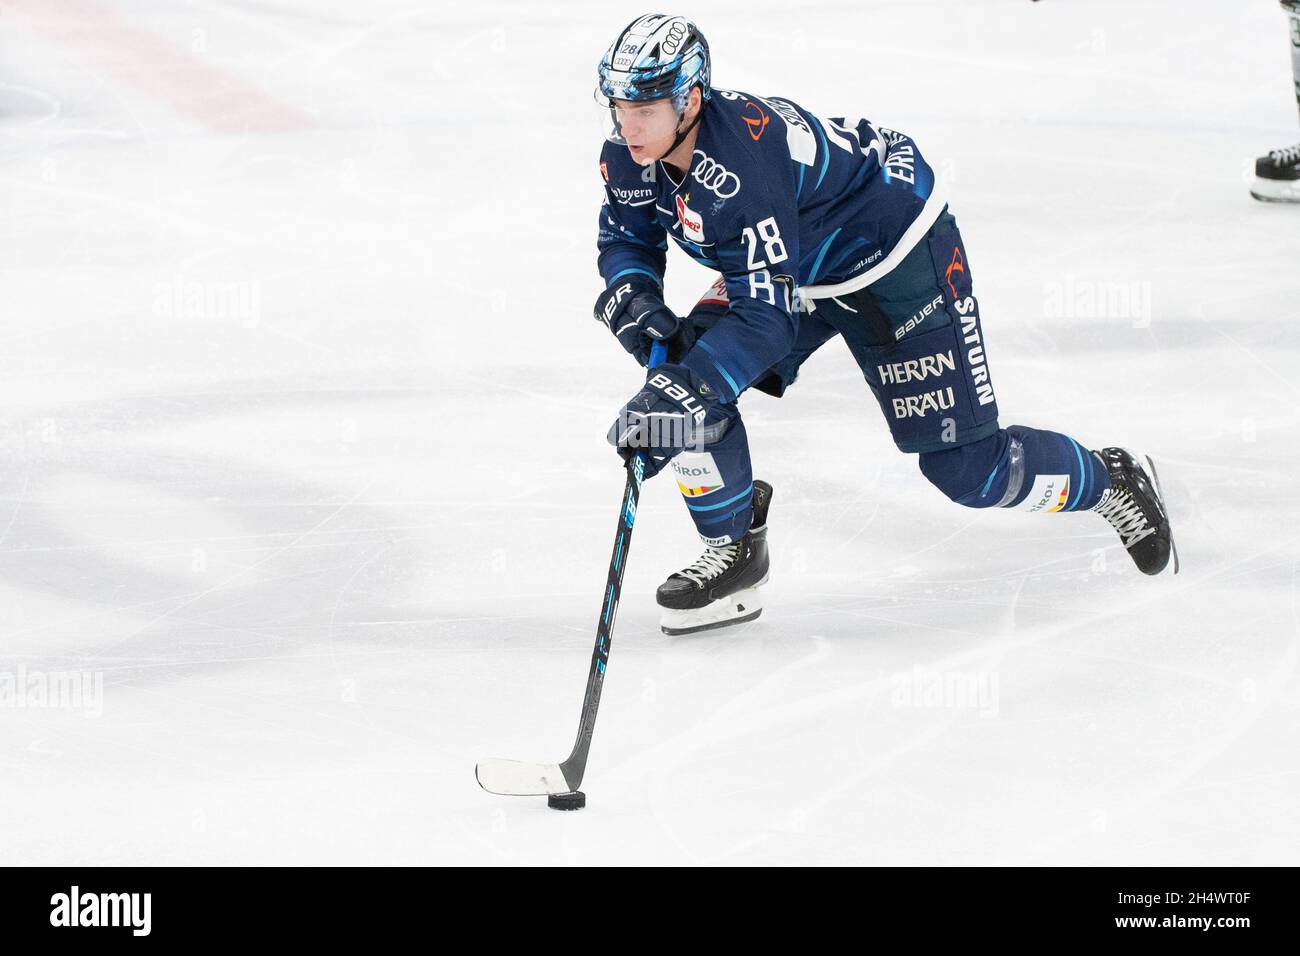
[[519, 778]]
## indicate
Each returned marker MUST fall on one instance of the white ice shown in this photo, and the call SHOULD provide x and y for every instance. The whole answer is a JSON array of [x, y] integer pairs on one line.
[[287, 288]]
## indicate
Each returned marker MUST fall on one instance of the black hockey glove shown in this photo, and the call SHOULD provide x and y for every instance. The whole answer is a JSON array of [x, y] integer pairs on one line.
[[634, 311], [676, 409]]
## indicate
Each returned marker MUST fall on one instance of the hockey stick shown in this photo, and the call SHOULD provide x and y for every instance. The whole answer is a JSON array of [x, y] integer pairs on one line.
[[521, 778]]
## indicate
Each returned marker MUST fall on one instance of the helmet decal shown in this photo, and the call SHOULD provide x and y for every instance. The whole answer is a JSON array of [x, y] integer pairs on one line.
[[655, 57]]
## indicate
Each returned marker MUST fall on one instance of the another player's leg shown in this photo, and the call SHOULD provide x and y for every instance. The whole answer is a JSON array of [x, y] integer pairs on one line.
[[1277, 175]]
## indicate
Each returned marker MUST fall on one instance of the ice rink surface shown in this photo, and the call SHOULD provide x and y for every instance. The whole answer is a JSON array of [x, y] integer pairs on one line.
[[290, 291]]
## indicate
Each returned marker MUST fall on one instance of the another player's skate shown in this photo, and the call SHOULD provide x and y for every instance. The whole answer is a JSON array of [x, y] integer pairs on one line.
[[1277, 176], [721, 588], [1135, 508]]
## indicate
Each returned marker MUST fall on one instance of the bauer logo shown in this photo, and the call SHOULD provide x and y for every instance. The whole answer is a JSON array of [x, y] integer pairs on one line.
[[868, 260], [697, 474], [918, 317], [124, 910]]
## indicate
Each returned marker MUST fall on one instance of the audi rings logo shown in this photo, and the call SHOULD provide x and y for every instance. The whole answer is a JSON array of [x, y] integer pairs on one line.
[[675, 36], [715, 177]]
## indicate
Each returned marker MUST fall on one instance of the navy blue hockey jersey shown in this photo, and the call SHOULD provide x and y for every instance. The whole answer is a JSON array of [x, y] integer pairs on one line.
[[784, 204]]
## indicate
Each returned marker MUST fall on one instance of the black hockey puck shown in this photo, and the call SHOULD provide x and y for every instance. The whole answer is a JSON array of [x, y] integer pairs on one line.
[[567, 801]]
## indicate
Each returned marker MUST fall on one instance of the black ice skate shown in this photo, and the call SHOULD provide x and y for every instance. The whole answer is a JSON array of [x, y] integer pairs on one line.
[[1277, 176], [1134, 507], [721, 588]]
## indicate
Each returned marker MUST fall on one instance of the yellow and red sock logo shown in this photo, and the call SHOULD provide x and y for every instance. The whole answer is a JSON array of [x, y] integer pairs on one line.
[[697, 474]]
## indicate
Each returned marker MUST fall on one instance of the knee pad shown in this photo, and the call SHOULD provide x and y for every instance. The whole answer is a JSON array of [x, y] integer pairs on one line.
[[966, 473]]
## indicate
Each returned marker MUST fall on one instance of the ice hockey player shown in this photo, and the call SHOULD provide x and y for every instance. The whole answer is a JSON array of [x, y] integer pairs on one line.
[[1277, 175], [818, 227]]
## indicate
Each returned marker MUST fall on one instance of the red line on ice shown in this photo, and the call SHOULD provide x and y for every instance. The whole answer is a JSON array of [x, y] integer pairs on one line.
[[199, 91]]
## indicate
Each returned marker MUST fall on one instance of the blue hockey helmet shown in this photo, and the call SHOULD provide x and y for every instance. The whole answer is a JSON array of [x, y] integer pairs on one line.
[[655, 57]]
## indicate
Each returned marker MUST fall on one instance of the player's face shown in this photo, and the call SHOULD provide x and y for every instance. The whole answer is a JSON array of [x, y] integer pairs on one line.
[[648, 128]]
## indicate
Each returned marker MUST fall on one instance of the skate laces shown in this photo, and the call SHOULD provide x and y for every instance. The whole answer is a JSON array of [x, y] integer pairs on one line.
[[1285, 156], [711, 563], [1125, 516]]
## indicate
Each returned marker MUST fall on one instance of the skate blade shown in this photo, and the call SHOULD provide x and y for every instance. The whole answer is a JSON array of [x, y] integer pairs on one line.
[[1268, 190], [1164, 503], [734, 609]]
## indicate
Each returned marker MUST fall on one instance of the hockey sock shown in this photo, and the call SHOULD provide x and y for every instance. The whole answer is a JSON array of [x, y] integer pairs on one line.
[[717, 484], [1018, 467]]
